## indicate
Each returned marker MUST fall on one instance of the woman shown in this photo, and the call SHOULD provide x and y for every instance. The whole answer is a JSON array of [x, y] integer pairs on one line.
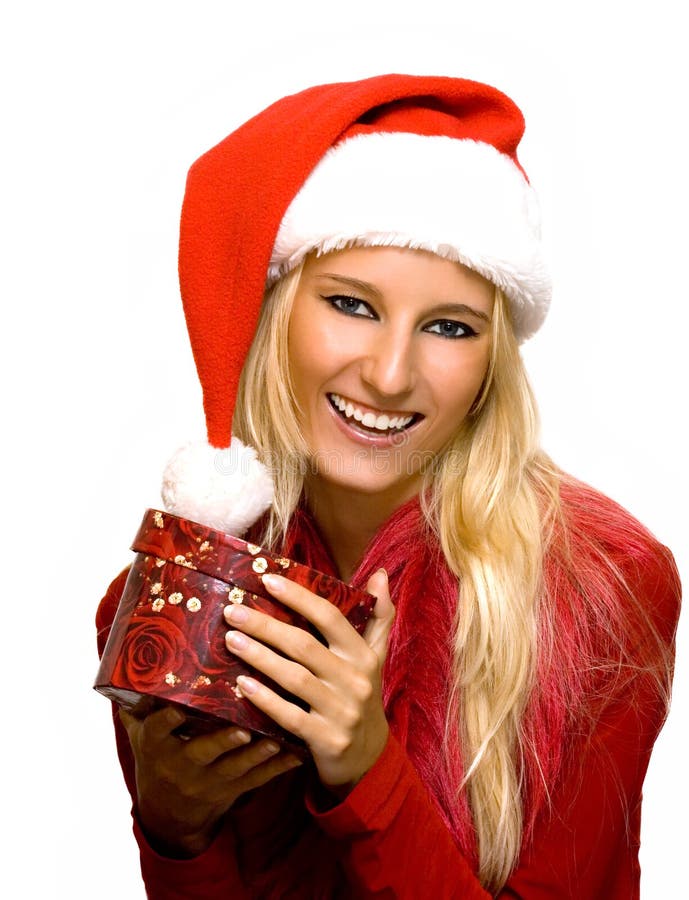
[[489, 733]]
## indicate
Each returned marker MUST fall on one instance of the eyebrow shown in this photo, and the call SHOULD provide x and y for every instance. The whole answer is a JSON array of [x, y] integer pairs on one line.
[[353, 282], [457, 309]]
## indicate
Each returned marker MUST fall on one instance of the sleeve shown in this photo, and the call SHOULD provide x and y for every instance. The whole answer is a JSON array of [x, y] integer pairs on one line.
[[210, 876], [585, 845], [397, 844]]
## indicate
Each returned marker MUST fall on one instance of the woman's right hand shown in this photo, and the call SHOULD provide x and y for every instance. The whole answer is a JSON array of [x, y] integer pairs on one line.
[[184, 787]]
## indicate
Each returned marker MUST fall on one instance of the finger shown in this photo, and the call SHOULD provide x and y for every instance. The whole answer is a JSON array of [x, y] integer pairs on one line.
[[302, 680], [326, 617], [130, 722], [294, 643], [265, 771], [207, 748], [378, 628], [288, 715], [240, 761], [154, 728]]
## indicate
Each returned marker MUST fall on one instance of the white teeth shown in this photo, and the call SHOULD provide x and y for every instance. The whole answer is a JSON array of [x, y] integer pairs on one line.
[[382, 422]]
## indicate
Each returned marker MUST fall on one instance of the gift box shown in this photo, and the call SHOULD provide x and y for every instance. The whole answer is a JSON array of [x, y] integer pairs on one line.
[[167, 642]]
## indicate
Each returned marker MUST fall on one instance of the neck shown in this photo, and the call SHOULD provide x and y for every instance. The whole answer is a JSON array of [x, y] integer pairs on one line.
[[348, 520]]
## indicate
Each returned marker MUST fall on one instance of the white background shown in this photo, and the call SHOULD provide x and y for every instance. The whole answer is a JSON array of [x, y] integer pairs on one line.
[[104, 107]]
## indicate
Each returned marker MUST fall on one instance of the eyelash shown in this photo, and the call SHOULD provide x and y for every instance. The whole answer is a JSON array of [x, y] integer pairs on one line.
[[335, 299]]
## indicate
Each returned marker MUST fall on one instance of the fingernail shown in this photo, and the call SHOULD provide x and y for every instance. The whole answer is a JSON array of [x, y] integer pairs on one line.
[[248, 685], [237, 640], [384, 571], [270, 749], [235, 612], [293, 761], [174, 716], [273, 583], [242, 736]]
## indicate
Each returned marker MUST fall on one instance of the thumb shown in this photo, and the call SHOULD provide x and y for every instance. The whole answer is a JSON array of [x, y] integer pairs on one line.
[[378, 628], [131, 724]]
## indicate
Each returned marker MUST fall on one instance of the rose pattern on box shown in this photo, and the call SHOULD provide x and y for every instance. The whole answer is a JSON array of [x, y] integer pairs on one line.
[[167, 642]]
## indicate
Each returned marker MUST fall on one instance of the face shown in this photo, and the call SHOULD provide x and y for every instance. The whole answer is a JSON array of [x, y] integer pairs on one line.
[[388, 350]]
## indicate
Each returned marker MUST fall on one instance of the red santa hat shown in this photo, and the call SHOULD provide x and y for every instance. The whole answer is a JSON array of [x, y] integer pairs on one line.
[[425, 162]]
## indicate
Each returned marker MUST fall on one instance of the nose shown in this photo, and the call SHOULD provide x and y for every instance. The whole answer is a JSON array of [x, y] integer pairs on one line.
[[388, 366]]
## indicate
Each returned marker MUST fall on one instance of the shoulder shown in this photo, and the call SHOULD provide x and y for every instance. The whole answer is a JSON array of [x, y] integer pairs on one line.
[[605, 537]]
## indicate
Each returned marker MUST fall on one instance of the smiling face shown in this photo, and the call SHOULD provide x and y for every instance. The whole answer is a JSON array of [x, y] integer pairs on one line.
[[388, 350]]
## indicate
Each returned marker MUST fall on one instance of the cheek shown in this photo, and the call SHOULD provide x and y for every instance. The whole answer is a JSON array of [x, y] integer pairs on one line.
[[459, 384], [318, 348], [310, 355]]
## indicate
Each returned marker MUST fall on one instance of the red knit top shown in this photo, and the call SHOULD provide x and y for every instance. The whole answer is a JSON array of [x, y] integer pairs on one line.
[[401, 832]]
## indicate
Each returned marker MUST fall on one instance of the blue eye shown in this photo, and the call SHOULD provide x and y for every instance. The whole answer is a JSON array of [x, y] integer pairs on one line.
[[350, 306], [450, 329]]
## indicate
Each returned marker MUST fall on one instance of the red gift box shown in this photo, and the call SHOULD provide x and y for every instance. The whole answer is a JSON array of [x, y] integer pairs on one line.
[[167, 642]]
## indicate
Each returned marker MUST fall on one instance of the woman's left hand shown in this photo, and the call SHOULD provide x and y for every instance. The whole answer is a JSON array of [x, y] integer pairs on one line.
[[345, 726]]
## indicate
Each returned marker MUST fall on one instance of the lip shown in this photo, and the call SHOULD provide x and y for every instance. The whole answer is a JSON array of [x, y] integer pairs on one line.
[[368, 439]]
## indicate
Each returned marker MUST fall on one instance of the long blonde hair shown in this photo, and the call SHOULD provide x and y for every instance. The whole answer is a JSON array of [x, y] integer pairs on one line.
[[486, 504], [492, 499]]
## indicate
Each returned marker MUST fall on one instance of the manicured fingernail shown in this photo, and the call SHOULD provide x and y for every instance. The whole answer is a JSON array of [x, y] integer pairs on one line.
[[248, 685], [242, 736], [237, 640], [235, 612], [293, 761], [273, 582]]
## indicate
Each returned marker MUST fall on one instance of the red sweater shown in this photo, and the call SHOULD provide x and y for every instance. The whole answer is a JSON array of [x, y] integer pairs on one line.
[[390, 838]]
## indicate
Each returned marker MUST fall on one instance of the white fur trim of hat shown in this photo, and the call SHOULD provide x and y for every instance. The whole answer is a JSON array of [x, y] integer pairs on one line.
[[463, 200]]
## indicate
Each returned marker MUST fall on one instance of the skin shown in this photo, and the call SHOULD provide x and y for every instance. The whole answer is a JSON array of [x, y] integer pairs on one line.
[[388, 354], [396, 332]]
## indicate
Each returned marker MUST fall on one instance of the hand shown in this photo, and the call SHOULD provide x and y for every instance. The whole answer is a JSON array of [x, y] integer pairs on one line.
[[345, 725], [184, 787]]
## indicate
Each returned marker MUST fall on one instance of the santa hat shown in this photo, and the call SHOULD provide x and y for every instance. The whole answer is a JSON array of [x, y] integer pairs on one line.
[[425, 162]]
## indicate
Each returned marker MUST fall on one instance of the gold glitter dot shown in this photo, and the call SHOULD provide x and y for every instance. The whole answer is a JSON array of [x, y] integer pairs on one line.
[[237, 691], [236, 595], [175, 598], [160, 563], [205, 547], [171, 679], [158, 604], [193, 604], [158, 519], [285, 563], [156, 588], [200, 681], [259, 565], [253, 549]]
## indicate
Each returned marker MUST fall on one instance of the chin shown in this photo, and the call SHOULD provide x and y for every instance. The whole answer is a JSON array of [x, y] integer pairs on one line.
[[372, 484]]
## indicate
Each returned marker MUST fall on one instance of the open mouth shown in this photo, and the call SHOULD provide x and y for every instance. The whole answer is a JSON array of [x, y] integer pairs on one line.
[[372, 423]]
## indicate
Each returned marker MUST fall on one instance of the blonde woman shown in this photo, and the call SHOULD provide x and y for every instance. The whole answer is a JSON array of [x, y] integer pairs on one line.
[[489, 733]]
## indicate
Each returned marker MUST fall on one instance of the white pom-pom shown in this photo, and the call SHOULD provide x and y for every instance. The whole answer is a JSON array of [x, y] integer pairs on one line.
[[224, 489]]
